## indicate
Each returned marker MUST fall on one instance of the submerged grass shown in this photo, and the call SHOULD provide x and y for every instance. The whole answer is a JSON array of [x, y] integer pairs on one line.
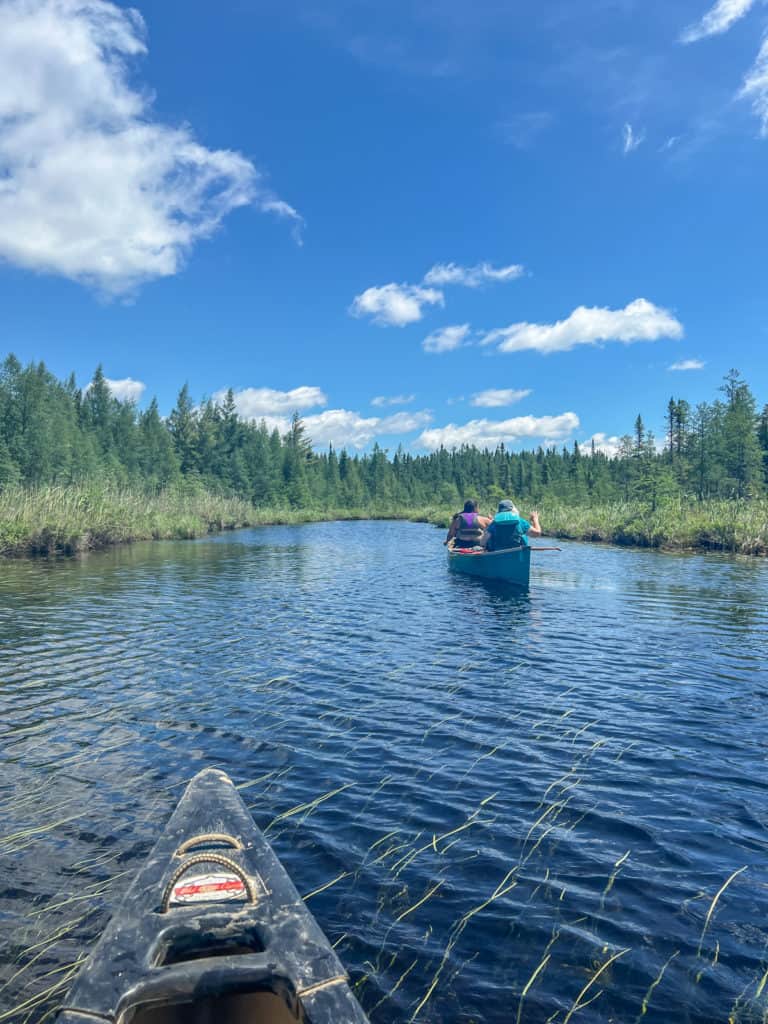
[[579, 955]]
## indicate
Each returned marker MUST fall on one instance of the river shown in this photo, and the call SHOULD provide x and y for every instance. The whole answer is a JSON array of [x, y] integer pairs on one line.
[[515, 807]]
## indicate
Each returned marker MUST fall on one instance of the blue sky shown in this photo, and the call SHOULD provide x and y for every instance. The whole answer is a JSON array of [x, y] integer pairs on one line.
[[425, 223]]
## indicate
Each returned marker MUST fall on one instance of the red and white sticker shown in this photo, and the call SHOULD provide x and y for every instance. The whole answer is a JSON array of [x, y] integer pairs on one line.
[[217, 888]]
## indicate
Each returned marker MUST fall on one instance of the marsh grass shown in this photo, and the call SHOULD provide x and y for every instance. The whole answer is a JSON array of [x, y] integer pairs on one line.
[[67, 520], [740, 527]]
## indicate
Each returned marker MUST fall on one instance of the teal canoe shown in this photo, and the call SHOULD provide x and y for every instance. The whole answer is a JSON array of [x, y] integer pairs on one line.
[[510, 564]]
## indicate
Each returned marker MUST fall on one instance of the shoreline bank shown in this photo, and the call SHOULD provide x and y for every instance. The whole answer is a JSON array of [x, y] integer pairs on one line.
[[67, 521]]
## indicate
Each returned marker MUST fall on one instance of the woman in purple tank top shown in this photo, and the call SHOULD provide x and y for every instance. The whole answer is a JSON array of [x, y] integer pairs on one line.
[[468, 527]]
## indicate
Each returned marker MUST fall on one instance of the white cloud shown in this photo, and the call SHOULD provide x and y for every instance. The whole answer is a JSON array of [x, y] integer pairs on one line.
[[638, 321], [631, 140], [687, 364], [756, 87], [403, 422], [471, 277], [258, 403], [608, 445], [495, 398], [344, 428], [395, 305], [91, 187], [126, 390], [490, 433], [446, 338], [717, 20], [381, 400]]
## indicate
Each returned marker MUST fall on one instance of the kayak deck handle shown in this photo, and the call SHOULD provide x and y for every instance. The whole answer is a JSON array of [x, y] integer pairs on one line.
[[205, 858], [207, 838]]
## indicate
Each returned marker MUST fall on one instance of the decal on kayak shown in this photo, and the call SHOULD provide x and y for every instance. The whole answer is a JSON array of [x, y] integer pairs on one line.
[[218, 887]]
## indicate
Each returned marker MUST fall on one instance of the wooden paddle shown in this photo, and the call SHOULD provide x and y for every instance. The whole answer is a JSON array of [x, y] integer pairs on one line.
[[546, 549]]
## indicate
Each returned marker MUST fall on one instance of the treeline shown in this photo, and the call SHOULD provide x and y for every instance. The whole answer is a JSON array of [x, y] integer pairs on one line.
[[52, 432]]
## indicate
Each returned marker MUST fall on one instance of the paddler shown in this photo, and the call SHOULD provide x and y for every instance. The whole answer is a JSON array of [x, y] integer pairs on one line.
[[508, 528], [467, 528]]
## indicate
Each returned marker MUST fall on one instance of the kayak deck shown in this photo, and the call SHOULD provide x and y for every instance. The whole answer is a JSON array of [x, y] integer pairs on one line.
[[212, 930]]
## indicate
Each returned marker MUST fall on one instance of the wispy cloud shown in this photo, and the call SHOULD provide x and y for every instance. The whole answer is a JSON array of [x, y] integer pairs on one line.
[[257, 403], [490, 433], [717, 20], [92, 186], [524, 130], [495, 398], [446, 339], [687, 364], [395, 305], [641, 320], [382, 400], [127, 389], [756, 87], [471, 277], [631, 140]]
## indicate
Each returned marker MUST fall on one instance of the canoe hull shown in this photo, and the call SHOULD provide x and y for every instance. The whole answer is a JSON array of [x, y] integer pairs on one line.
[[212, 928], [512, 565]]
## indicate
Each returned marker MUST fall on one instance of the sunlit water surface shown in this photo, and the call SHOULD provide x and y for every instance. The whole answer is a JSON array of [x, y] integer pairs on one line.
[[522, 807]]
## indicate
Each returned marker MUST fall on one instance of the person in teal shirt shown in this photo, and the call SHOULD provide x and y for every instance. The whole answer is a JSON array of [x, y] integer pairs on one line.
[[508, 529]]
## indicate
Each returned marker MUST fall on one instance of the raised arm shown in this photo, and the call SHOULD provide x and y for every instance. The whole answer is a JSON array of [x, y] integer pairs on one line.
[[535, 524]]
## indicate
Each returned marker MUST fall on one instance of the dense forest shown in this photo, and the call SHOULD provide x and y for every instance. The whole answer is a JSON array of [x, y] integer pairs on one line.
[[54, 433]]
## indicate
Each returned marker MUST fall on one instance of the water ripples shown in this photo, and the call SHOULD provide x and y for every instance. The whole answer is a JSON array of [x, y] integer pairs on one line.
[[501, 806]]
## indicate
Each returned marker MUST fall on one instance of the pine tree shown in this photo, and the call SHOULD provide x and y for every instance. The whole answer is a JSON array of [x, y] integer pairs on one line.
[[9, 471], [158, 463], [182, 424], [740, 447], [97, 410], [762, 436]]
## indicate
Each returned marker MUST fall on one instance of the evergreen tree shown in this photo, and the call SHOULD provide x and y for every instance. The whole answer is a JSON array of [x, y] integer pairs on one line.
[[183, 426], [762, 436], [97, 410], [740, 447], [9, 471], [158, 463]]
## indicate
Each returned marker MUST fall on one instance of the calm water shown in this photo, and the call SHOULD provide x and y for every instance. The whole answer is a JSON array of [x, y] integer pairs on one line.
[[552, 781]]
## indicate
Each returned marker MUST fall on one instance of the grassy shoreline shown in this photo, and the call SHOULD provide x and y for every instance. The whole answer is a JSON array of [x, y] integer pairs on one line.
[[71, 520], [737, 527]]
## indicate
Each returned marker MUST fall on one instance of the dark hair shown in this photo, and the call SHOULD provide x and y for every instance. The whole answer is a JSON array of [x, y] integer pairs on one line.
[[470, 506]]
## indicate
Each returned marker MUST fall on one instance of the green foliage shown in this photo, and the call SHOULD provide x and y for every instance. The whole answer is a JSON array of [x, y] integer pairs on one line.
[[54, 435]]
